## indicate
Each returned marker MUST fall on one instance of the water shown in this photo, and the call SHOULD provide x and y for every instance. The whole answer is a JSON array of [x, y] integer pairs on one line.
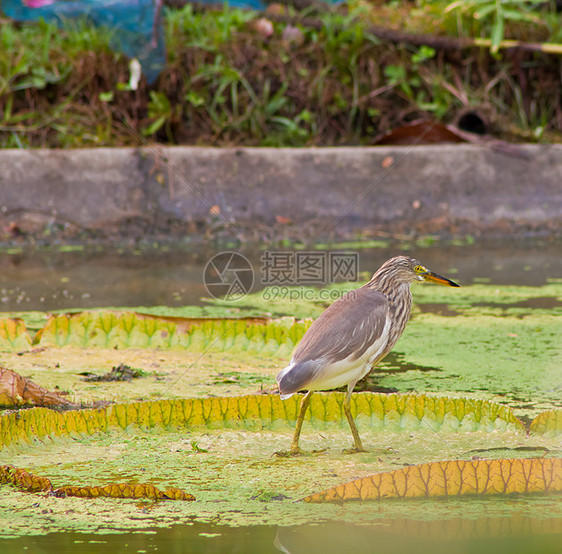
[[55, 280], [50, 279], [393, 536]]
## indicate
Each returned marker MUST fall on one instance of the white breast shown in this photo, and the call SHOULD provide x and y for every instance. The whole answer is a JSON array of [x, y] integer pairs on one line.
[[351, 369]]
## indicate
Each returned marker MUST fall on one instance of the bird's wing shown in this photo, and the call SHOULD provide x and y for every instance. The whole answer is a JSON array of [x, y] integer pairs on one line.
[[346, 328]]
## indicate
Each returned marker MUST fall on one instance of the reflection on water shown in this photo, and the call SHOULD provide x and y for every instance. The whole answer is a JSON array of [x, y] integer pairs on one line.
[[49, 280], [407, 536], [509, 535]]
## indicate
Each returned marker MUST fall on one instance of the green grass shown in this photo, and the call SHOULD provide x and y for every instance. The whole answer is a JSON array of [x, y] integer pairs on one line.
[[225, 84]]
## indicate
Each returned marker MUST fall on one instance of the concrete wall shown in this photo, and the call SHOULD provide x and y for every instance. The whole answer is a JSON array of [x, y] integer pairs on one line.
[[253, 193]]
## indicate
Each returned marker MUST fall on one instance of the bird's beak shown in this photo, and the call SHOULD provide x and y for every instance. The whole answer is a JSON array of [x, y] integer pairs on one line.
[[434, 278]]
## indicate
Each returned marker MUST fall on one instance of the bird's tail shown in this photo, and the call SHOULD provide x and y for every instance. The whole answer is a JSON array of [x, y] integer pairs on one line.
[[282, 382], [295, 377]]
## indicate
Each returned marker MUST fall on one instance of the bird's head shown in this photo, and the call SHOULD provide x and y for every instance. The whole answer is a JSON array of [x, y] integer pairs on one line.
[[403, 270]]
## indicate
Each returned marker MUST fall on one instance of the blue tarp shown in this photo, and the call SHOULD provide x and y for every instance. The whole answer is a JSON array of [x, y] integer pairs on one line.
[[133, 21]]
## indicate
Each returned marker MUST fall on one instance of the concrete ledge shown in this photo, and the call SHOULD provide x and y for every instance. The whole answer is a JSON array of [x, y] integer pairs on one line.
[[253, 193]]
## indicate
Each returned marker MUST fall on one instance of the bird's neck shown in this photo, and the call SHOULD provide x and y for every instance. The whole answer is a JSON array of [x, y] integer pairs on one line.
[[387, 283], [395, 292], [399, 299]]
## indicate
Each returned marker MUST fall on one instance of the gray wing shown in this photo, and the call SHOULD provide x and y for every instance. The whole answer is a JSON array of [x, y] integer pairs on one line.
[[347, 327]]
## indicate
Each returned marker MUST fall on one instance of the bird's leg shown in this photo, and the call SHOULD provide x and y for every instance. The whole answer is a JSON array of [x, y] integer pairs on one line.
[[295, 450], [356, 438], [300, 420]]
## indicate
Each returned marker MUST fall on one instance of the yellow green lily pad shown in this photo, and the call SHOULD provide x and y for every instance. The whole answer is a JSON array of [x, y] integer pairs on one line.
[[452, 478]]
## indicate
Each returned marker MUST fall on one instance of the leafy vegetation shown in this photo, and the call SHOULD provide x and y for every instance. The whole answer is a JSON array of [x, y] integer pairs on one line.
[[332, 82], [491, 16]]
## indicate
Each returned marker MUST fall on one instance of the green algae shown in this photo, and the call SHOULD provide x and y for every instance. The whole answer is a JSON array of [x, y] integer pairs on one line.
[[305, 301], [476, 342], [477, 299], [513, 360], [232, 471], [494, 342], [169, 373], [488, 526], [481, 341], [232, 480]]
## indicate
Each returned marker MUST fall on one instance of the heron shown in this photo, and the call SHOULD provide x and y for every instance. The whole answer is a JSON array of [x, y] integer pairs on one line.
[[352, 336]]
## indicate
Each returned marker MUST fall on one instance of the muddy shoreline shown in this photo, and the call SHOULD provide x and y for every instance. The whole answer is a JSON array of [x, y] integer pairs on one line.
[[245, 195]]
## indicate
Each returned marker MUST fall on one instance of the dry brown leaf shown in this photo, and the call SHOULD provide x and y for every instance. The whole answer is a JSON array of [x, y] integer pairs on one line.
[[420, 132], [28, 482], [23, 480], [16, 390], [124, 490]]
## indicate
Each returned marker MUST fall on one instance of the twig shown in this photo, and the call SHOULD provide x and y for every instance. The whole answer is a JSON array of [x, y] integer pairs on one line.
[[437, 42]]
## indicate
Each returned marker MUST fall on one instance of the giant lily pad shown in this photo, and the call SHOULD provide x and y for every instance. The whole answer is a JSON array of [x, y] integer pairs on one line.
[[373, 411], [108, 329], [13, 334], [452, 478], [25, 481], [548, 423]]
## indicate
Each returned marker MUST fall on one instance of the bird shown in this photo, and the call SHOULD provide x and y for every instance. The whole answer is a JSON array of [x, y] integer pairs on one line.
[[352, 336]]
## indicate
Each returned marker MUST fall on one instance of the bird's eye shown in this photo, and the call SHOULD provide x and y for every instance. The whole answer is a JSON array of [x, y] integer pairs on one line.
[[418, 269]]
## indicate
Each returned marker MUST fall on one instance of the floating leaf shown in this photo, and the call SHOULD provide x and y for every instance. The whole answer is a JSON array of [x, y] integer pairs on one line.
[[254, 412], [16, 390], [14, 335], [452, 478], [28, 482], [548, 423], [412, 411], [23, 480], [108, 329], [124, 490]]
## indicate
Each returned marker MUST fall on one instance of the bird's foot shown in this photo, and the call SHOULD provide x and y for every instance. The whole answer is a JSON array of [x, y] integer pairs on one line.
[[298, 452], [289, 453], [354, 450]]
